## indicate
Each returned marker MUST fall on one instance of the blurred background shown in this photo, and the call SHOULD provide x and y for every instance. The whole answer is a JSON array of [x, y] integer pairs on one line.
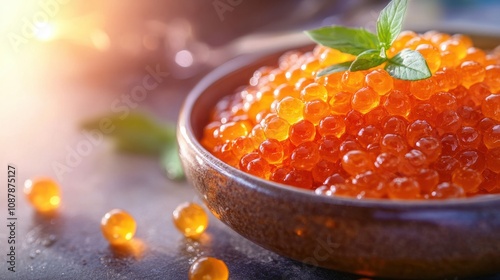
[[64, 61]]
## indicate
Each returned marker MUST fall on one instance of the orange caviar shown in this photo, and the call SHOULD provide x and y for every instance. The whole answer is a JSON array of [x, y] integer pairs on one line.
[[366, 134]]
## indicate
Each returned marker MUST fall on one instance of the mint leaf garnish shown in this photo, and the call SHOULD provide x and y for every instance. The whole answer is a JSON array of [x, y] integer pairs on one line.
[[390, 22], [140, 134], [347, 40], [408, 65], [366, 60], [341, 67], [371, 49]]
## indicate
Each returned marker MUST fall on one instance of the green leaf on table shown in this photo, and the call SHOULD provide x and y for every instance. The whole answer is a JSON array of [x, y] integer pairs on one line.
[[140, 134], [170, 160], [347, 40], [408, 65], [335, 68], [390, 22], [366, 60]]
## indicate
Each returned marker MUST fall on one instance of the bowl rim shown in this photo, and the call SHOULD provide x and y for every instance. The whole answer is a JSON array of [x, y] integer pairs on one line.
[[185, 130]]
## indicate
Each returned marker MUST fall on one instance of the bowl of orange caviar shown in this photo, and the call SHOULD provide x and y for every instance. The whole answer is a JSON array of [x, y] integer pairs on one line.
[[367, 171]]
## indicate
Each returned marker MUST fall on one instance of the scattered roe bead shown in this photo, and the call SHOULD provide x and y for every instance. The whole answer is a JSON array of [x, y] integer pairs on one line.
[[208, 268], [118, 227], [190, 219], [44, 194]]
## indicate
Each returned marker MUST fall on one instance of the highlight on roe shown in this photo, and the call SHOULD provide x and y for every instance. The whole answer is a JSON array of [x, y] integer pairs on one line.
[[352, 123]]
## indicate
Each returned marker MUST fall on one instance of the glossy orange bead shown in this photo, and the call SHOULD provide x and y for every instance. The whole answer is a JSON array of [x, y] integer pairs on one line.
[[44, 194], [492, 72], [493, 160], [431, 55], [190, 219], [467, 179], [332, 125], [272, 151], [491, 107], [118, 227], [403, 188], [379, 81], [208, 268], [316, 110], [423, 89], [471, 73], [364, 100], [276, 128], [290, 109], [447, 190], [302, 131], [398, 103], [314, 91], [305, 156], [340, 103], [356, 161], [352, 81], [491, 137]]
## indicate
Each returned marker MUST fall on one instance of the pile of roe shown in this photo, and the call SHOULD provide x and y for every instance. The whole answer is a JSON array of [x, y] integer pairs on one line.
[[366, 134]]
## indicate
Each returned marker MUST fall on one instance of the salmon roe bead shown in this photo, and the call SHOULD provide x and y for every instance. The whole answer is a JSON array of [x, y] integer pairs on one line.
[[491, 137], [403, 188], [366, 134], [275, 127], [208, 268], [471, 73], [364, 100], [118, 227], [314, 91], [315, 110], [332, 125], [431, 55], [272, 151], [190, 219], [303, 131], [305, 156], [380, 81], [491, 107], [447, 190], [290, 109], [356, 161], [492, 72], [44, 194]]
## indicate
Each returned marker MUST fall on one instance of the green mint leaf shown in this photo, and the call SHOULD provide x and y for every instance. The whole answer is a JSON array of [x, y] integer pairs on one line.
[[140, 134], [335, 68], [347, 40], [366, 60], [408, 65], [172, 163], [135, 133], [390, 22]]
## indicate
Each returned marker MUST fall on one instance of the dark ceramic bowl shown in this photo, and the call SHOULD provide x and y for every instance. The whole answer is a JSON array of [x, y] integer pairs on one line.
[[398, 239]]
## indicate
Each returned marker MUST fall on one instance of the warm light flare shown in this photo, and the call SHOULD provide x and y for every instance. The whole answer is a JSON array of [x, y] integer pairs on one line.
[[45, 31]]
